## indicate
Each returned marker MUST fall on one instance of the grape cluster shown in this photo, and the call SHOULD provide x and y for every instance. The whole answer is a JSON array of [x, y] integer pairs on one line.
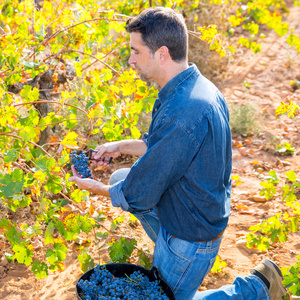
[[80, 163], [103, 285]]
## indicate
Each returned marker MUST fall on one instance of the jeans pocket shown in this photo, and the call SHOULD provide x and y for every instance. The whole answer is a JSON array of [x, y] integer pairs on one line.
[[180, 249], [181, 265]]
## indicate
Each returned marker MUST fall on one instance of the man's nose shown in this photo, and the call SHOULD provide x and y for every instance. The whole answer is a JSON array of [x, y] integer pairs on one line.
[[131, 59]]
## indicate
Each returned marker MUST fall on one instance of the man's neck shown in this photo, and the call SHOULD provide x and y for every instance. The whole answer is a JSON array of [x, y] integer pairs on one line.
[[170, 71]]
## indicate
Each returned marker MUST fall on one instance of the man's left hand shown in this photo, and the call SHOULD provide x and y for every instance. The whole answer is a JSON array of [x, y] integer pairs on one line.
[[88, 184]]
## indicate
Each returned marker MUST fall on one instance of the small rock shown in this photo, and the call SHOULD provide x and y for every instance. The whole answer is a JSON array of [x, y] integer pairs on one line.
[[3, 262], [258, 198], [238, 94]]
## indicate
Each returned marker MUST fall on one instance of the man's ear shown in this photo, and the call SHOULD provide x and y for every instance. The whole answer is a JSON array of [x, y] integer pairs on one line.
[[164, 54]]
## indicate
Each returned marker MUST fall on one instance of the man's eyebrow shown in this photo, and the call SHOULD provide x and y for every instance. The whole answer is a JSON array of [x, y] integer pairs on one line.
[[133, 48]]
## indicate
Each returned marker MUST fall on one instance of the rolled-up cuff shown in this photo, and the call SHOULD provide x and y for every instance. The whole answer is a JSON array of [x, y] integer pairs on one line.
[[117, 196]]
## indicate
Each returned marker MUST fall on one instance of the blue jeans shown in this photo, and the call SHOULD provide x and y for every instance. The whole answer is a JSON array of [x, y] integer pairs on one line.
[[184, 264]]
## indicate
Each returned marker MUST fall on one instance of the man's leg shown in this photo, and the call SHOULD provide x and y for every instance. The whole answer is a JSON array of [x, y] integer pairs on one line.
[[183, 264], [148, 218], [264, 283], [248, 288]]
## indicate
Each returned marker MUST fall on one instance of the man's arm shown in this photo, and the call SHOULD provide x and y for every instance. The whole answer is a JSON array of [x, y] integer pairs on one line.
[[105, 151]]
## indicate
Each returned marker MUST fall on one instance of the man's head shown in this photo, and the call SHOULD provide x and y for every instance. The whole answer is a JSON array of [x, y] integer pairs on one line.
[[160, 26]]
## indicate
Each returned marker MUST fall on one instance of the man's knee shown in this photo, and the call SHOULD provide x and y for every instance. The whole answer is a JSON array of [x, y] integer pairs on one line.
[[118, 175]]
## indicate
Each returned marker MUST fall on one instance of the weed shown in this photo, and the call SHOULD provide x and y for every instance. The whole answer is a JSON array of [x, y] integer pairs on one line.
[[243, 119]]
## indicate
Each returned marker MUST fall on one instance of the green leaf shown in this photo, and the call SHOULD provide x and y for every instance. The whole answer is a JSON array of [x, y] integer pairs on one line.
[[28, 133], [101, 235], [121, 251], [115, 223], [144, 259], [54, 184], [56, 255], [10, 155], [49, 233], [86, 224], [22, 254], [40, 269], [86, 262], [10, 231], [12, 183]]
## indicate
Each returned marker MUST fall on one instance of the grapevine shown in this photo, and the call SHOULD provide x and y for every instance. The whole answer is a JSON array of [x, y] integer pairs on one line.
[[64, 72]]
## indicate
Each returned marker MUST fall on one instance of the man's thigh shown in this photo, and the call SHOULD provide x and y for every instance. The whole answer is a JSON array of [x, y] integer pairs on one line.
[[183, 264]]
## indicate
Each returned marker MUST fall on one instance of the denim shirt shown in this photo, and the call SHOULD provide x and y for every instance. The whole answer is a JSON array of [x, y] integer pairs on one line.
[[185, 172]]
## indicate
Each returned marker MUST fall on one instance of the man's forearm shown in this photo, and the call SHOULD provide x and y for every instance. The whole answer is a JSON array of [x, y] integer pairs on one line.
[[133, 147]]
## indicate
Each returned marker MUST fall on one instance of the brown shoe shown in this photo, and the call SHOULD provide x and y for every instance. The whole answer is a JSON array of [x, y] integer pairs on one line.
[[273, 274]]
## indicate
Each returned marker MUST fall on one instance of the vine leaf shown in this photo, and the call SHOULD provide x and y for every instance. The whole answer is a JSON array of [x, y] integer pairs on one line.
[[121, 251], [86, 262], [56, 255], [23, 254], [40, 269], [12, 183]]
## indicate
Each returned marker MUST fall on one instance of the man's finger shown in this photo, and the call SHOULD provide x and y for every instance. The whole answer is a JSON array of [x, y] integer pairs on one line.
[[100, 153], [75, 173], [73, 179]]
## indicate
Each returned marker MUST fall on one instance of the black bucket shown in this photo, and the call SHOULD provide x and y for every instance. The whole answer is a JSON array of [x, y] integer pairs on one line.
[[121, 270]]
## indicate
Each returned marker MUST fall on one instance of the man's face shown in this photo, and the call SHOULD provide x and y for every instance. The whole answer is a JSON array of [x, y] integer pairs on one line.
[[144, 62]]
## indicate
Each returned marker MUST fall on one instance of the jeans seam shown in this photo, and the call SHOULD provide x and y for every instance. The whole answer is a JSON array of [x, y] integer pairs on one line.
[[211, 250], [182, 277]]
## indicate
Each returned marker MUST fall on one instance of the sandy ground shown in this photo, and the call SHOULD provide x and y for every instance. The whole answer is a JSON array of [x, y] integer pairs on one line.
[[269, 74]]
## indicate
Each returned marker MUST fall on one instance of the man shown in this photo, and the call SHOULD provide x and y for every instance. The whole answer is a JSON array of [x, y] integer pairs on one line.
[[180, 187]]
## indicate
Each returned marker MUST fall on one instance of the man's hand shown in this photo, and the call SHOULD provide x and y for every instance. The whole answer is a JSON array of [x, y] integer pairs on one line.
[[90, 185], [105, 152], [115, 149]]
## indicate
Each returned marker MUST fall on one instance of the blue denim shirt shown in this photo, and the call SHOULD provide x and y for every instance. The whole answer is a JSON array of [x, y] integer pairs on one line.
[[185, 172]]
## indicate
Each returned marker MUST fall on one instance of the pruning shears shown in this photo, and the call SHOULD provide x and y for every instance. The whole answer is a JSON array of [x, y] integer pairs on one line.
[[89, 154]]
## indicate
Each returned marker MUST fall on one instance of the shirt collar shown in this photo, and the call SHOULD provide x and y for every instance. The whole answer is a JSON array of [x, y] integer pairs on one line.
[[170, 88]]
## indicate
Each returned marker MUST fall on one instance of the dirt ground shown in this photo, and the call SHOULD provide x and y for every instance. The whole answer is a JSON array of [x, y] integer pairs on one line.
[[269, 74]]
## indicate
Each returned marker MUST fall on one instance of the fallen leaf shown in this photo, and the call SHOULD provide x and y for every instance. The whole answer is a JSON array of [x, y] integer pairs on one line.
[[243, 151]]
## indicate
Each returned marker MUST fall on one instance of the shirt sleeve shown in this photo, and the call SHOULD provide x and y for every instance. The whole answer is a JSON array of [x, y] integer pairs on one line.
[[171, 149], [145, 138]]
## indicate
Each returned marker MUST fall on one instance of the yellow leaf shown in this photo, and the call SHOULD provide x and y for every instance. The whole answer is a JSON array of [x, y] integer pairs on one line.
[[69, 140], [39, 175]]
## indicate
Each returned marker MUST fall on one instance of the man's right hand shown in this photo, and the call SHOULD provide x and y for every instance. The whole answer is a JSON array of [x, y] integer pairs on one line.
[[115, 149], [105, 152]]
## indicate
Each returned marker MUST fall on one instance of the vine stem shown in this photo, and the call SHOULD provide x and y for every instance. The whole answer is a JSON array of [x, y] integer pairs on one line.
[[97, 59], [104, 56], [17, 165], [33, 143], [55, 34]]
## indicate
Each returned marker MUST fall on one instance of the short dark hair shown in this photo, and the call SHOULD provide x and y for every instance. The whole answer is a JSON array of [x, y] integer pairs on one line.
[[161, 26]]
